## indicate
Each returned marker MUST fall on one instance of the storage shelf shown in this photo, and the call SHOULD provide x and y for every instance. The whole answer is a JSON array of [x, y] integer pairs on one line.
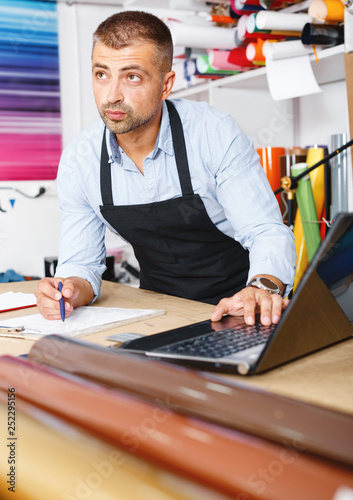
[[329, 68]]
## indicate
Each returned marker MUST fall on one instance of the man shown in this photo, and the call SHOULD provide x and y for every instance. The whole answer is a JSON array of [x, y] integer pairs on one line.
[[178, 180]]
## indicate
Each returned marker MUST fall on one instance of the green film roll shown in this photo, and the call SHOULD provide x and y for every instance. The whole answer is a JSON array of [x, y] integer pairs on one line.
[[306, 205]]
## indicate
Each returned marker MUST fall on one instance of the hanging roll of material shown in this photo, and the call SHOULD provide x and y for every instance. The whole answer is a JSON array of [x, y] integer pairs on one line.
[[204, 37], [322, 34], [278, 21], [204, 67], [327, 10], [238, 56], [219, 60], [339, 176]]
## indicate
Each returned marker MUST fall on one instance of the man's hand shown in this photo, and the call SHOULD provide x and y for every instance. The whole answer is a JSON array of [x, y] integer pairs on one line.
[[248, 302], [76, 292]]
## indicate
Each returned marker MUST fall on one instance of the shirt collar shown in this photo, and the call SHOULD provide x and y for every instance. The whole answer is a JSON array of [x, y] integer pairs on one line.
[[164, 139]]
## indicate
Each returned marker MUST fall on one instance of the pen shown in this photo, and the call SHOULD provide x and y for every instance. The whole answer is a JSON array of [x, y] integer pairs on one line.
[[62, 303]]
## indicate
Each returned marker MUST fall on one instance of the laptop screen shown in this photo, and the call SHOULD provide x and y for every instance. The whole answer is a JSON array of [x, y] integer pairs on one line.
[[335, 267]]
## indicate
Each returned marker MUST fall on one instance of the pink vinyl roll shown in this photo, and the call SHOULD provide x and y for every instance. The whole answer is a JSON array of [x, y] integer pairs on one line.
[[219, 59]]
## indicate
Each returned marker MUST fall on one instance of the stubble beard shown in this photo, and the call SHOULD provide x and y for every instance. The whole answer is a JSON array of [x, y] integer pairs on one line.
[[132, 120]]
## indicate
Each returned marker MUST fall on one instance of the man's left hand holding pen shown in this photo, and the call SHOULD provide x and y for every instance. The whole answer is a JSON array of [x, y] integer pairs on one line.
[[75, 292]]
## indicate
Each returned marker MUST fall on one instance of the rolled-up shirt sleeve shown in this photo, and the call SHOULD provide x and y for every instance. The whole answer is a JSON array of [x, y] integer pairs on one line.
[[82, 233], [252, 209]]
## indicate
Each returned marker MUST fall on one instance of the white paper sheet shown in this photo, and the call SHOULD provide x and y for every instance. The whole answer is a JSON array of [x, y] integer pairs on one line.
[[82, 321], [16, 300]]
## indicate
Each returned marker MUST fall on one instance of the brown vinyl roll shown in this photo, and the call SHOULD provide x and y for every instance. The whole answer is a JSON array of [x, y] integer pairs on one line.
[[228, 461], [231, 404]]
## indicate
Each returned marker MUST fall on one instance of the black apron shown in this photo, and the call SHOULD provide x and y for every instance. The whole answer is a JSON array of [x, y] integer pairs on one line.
[[179, 249]]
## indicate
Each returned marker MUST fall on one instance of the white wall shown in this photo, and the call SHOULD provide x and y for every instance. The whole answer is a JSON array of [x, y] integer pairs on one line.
[[29, 230]]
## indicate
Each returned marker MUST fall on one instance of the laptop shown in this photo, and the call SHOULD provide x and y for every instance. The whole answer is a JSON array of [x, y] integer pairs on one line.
[[320, 314]]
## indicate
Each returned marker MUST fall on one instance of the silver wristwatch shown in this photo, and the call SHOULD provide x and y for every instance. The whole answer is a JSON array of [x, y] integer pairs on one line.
[[265, 284]]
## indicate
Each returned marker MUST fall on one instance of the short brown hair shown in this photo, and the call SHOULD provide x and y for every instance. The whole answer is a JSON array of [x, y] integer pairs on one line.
[[130, 27]]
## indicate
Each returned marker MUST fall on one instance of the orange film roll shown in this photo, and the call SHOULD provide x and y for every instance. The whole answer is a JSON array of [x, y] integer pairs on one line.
[[270, 161], [254, 51], [327, 10], [335, 10]]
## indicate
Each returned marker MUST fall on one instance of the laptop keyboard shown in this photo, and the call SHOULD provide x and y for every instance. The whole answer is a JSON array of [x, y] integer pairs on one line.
[[222, 342]]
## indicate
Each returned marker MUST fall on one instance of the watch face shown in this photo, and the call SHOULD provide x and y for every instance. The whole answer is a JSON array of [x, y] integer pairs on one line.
[[269, 284]]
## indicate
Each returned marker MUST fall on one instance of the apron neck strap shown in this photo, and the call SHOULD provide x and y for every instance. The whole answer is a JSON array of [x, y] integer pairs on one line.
[[105, 177], [180, 150]]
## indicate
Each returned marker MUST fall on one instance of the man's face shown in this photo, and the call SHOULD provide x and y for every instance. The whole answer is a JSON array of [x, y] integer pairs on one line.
[[127, 86]]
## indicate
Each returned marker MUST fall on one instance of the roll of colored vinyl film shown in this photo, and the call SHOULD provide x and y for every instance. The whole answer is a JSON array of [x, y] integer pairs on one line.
[[327, 10], [339, 176], [270, 161], [254, 51], [238, 57], [307, 209], [317, 179], [322, 34], [218, 60], [203, 66]]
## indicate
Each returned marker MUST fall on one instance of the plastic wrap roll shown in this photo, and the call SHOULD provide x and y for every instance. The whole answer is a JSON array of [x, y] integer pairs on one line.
[[204, 37], [339, 176], [322, 34]]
